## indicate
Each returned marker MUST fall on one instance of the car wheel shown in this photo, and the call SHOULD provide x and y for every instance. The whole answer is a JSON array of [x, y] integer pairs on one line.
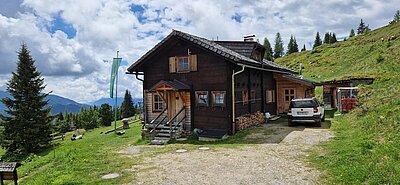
[[290, 124]]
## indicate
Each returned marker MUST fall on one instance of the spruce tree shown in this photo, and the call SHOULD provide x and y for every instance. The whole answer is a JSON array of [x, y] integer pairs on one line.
[[396, 17], [352, 34], [106, 114], [366, 29], [290, 46], [278, 49], [304, 48], [327, 38], [127, 107], [361, 27], [295, 46], [333, 38], [317, 41], [27, 125], [268, 50]]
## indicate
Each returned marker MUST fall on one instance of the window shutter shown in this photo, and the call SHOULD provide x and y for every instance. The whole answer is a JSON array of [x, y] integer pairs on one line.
[[193, 62], [172, 65]]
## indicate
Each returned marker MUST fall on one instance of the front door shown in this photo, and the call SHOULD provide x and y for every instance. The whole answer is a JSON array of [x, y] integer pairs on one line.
[[289, 94], [175, 104]]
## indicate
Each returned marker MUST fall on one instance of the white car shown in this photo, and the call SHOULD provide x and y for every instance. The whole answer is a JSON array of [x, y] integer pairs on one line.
[[307, 110]]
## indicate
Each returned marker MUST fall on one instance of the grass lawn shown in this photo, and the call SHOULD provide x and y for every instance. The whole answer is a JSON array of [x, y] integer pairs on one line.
[[83, 161]]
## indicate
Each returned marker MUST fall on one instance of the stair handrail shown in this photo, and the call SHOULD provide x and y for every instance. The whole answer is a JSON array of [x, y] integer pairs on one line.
[[184, 117], [169, 121], [152, 121], [158, 124]]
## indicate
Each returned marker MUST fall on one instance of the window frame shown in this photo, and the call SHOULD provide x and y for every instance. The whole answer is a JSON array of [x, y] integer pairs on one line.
[[199, 93], [253, 95], [159, 102], [270, 98], [245, 96], [214, 103], [178, 69]]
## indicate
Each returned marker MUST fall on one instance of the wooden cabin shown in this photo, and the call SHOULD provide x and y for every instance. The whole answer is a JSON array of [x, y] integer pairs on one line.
[[330, 89], [192, 82]]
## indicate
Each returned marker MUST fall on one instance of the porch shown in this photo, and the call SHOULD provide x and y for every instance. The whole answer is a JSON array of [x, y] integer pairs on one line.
[[167, 109]]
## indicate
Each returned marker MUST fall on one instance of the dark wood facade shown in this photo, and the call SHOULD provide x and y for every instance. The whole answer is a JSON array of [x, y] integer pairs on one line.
[[255, 86]]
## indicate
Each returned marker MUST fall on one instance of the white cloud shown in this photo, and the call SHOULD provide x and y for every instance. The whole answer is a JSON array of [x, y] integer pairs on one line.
[[73, 66]]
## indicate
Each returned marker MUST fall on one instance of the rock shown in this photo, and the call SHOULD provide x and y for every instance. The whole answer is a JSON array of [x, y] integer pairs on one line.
[[181, 151], [111, 175]]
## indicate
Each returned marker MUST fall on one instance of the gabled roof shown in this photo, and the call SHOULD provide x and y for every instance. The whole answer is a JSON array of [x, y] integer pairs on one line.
[[214, 47]]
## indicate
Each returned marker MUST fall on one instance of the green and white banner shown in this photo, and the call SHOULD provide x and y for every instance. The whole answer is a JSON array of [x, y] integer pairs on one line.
[[114, 73]]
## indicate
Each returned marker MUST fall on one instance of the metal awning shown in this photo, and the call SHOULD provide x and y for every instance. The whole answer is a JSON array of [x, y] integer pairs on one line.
[[175, 85]]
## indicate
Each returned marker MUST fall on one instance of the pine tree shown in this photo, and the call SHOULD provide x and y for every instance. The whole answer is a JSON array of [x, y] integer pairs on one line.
[[106, 114], [317, 41], [27, 127], [268, 50], [295, 46], [327, 38], [361, 28], [290, 45], [60, 116], [304, 48], [396, 17], [366, 29], [352, 34], [333, 38], [127, 107], [278, 49]]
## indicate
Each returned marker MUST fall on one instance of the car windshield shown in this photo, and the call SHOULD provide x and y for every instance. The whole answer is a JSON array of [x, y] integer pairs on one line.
[[302, 104]]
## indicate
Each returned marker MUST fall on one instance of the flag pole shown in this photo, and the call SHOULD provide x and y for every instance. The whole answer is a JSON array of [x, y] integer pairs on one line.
[[116, 100]]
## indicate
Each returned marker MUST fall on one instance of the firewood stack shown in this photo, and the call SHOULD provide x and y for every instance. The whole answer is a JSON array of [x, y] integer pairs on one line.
[[249, 120]]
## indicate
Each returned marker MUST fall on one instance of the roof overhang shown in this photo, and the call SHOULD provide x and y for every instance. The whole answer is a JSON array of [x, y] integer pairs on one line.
[[206, 44], [302, 80], [170, 86]]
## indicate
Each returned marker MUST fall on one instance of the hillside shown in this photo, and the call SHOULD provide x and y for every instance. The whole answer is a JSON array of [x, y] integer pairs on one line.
[[366, 148]]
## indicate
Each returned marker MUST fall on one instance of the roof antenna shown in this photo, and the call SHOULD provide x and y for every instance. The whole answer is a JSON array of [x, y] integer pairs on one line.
[[249, 38]]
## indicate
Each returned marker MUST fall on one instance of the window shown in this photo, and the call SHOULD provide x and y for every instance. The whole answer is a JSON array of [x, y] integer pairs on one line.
[[202, 98], [253, 96], [218, 98], [270, 96], [289, 94], [245, 96], [183, 64], [158, 104]]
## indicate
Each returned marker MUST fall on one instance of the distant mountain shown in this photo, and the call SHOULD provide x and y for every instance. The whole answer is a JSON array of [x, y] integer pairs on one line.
[[58, 103], [111, 101]]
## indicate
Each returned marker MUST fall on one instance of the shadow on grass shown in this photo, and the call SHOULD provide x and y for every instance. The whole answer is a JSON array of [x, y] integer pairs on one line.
[[271, 132]]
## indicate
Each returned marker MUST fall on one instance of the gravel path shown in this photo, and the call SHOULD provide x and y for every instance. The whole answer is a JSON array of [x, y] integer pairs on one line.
[[278, 160]]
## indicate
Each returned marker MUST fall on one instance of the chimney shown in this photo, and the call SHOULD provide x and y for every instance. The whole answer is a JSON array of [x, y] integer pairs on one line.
[[249, 38]]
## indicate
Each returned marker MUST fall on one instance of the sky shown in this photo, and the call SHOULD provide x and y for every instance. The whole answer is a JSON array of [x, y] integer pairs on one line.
[[73, 41]]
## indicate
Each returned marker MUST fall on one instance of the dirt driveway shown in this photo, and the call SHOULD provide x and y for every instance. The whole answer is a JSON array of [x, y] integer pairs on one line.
[[277, 159]]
